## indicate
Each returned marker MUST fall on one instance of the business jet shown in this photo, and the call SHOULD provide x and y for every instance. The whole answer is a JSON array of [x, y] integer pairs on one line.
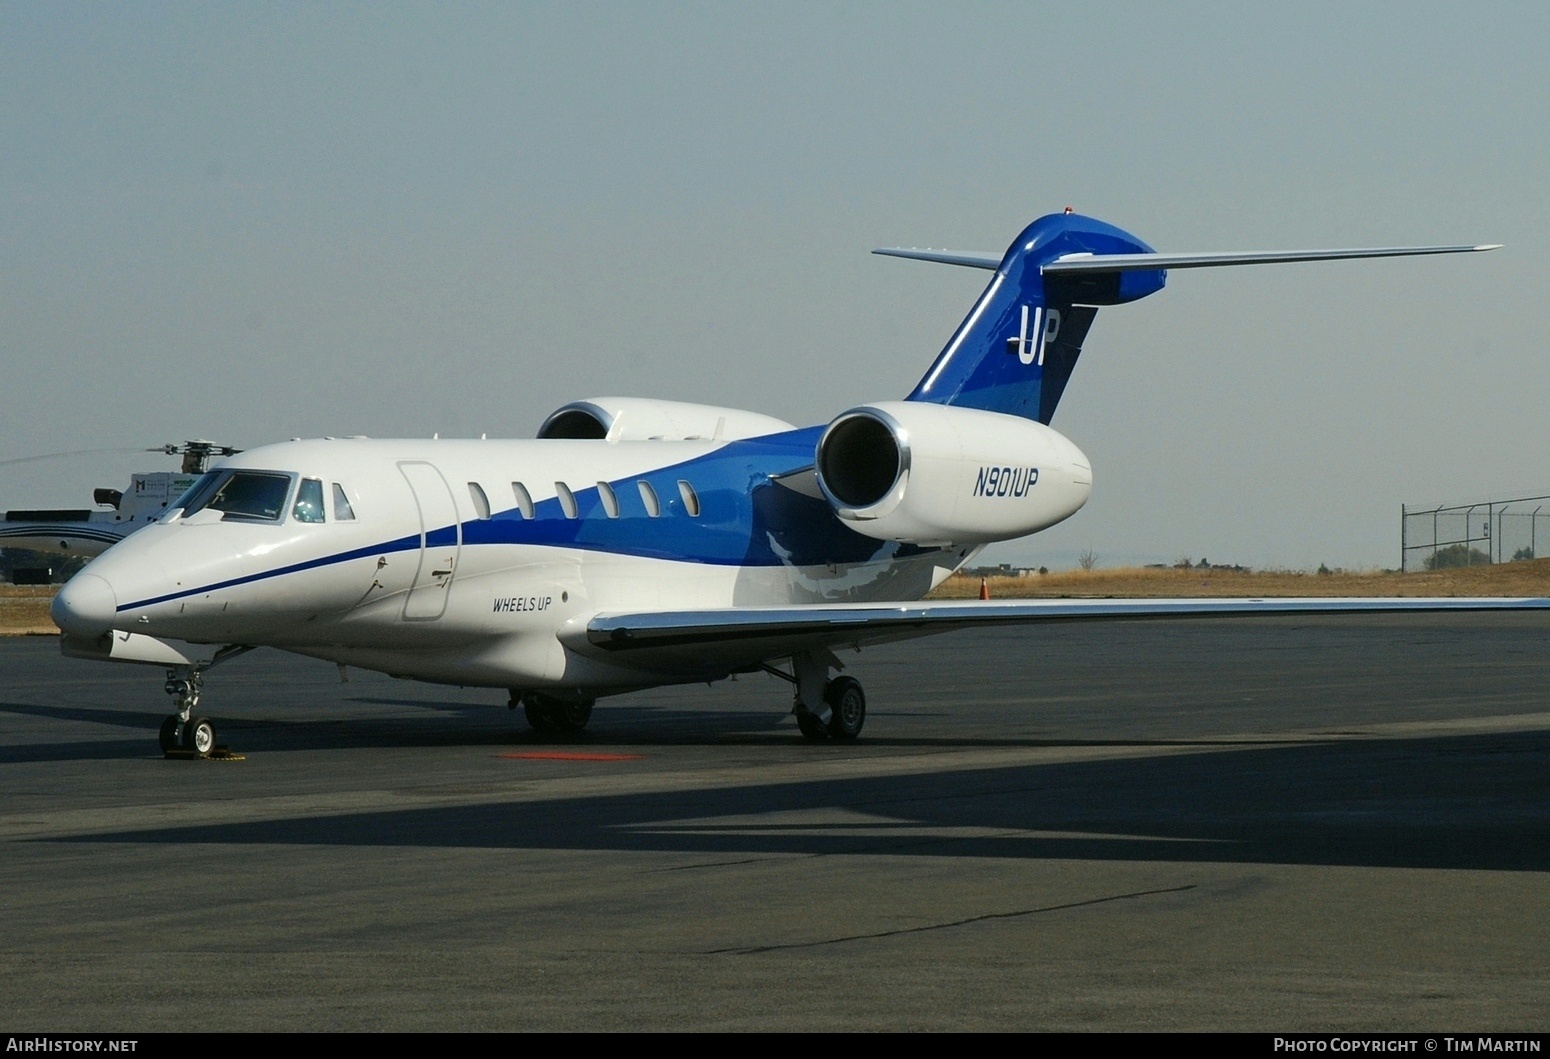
[[638, 543]]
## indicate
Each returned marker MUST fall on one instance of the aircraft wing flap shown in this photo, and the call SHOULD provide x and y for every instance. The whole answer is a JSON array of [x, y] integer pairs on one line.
[[756, 633]]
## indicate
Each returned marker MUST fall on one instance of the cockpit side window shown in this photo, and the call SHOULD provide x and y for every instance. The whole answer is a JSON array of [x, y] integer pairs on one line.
[[250, 494], [309, 501], [343, 512]]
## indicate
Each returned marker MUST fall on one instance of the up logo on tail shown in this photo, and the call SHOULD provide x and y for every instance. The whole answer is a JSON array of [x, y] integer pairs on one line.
[[1043, 325]]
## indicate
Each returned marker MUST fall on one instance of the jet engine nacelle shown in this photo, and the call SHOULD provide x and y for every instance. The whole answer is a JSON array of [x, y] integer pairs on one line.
[[933, 474], [646, 419]]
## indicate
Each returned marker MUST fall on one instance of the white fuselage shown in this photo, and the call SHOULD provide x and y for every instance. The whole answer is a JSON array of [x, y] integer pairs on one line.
[[480, 562]]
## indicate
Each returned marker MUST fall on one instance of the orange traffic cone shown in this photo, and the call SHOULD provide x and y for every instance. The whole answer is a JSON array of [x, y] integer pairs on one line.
[[984, 589]]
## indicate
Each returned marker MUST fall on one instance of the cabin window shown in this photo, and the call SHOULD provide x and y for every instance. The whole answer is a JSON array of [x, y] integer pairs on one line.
[[524, 499], [309, 501], [343, 512], [481, 502], [567, 499], [648, 496], [605, 493], [690, 498]]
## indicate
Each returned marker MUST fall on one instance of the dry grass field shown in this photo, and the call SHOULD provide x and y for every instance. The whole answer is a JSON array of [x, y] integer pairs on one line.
[[24, 609], [1530, 578]]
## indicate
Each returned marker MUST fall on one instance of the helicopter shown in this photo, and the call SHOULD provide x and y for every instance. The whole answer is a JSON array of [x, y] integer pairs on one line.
[[87, 532]]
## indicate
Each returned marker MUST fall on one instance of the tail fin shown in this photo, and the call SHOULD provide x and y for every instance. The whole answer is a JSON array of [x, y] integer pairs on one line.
[[1016, 349]]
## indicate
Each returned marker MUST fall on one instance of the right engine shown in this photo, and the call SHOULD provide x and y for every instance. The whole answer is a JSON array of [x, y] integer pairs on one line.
[[649, 419], [935, 474]]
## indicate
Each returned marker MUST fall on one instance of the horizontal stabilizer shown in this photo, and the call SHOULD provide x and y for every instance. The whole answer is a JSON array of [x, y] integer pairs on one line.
[[1088, 263], [1073, 264], [969, 258]]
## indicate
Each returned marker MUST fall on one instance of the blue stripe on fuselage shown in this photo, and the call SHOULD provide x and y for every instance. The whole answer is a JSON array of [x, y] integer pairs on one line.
[[403, 544]]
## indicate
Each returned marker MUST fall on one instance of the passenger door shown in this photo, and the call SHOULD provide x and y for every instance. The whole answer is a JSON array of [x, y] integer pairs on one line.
[[441, 541]]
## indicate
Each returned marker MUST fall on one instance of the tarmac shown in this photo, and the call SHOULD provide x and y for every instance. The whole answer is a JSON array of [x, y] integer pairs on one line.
[[1334, 824]]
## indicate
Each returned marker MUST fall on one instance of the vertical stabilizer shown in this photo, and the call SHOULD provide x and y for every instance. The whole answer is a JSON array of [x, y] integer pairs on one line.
[[1017, 347]]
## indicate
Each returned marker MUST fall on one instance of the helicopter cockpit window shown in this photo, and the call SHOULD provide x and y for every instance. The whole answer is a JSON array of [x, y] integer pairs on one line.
[[309, 501], [240, 494]]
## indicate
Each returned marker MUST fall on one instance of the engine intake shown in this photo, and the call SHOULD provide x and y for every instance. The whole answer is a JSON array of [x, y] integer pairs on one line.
[[862, 457]]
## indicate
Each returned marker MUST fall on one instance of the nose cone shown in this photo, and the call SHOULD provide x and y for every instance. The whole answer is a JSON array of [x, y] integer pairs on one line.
[[85, 606]]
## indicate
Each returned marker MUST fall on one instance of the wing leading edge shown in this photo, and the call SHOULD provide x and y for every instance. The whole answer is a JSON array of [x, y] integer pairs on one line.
[[749, 635]]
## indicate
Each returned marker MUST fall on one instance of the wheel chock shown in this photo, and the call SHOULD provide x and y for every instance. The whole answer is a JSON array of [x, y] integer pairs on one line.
[[221, 752]]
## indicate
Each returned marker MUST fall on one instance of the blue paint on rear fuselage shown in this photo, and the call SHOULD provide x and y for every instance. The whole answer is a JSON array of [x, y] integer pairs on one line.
[[745, 518]]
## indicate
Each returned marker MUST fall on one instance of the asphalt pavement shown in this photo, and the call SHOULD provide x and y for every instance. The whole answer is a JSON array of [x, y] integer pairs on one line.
[[1285, 824]]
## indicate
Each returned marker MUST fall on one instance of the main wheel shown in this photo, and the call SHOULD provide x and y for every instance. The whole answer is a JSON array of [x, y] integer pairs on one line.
[[811, 726], [536, 710], [571, 716], [556, 716], [847, 707], [168, 736], [199, 736]]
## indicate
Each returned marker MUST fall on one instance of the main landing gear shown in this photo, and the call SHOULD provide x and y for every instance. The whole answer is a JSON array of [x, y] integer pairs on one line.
[[552, 714], [183, 734], [824, 709]]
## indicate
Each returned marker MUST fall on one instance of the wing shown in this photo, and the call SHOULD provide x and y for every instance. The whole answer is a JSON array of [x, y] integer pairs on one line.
[[733, 638]]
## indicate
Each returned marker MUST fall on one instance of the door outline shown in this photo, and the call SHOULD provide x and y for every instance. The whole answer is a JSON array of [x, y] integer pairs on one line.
[[426, 599]]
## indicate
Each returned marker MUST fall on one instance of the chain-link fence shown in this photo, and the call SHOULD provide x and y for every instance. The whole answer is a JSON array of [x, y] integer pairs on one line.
[[1493, 531]]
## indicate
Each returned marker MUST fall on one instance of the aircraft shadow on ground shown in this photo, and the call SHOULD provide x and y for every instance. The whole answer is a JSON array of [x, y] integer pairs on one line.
[[1464, 802], [445, 724], [453, 724]]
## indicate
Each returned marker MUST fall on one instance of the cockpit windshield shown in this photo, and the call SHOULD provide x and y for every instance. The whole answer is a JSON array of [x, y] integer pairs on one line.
[[198, 494], [241, 494]]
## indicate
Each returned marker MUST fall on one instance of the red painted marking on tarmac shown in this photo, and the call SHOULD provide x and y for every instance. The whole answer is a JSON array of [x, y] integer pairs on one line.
[[568, 755]]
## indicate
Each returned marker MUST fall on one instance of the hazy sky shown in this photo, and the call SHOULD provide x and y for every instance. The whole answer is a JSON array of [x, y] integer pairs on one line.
[[253, 222]]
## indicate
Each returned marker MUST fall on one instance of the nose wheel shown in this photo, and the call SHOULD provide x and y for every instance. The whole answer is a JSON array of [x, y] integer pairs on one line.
[[183, 735]]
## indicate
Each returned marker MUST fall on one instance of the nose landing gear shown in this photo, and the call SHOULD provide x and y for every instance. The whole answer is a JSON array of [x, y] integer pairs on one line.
[[183, 734]]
